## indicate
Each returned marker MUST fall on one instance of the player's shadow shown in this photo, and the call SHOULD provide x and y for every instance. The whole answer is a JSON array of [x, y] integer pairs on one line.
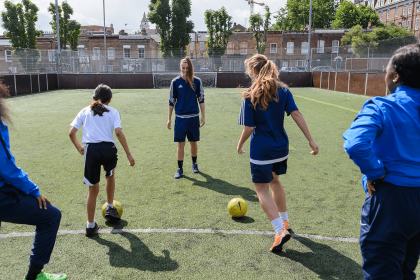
[[138, 257], [223, 187], [328, 263]]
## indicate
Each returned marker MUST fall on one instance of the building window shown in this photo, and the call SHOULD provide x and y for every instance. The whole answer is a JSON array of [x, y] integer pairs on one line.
[[51, 55], [8, 55], [403, 23], [244, 47], [290, 47], [418, 6], [416, 27], [192, 56], [96, 53], [81, 50], [111, 53], [201, 55], [191, 46], [396, 11], [300, 63], [201, 46], [409, 9], [141, 53], [304, 48], [230, 48], [335, 46], [273, 48], [404, 10], [320, 46], [285, 63], [408, 24], [387, 14], [127, 53]]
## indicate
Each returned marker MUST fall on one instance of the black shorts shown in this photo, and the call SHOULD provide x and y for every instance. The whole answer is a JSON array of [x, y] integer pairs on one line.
[[264, 173], [97, 154]]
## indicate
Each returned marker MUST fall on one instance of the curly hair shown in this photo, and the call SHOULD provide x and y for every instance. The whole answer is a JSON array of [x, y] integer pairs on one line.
[[406, 63], [265, 81], [4, 111]]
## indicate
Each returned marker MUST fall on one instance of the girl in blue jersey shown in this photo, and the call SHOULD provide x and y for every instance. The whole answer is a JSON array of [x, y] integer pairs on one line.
[[186, 95], [22, 203], [384, 142], [262, 113]]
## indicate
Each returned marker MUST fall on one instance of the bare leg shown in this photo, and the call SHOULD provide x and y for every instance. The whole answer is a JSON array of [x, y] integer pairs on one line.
[[110, 188], [279, 195], [180, 150], [194, 149], [91, 202], [266, 200]]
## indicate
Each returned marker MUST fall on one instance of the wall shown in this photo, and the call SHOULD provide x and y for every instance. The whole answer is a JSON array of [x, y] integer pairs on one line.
[[30, 83]]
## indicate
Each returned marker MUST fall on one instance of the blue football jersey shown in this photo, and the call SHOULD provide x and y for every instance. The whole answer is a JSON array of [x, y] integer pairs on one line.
[[269, 141], [184, 98]]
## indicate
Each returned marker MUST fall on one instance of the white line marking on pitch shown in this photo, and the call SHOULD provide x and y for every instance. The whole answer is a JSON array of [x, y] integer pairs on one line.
[[173, 230]]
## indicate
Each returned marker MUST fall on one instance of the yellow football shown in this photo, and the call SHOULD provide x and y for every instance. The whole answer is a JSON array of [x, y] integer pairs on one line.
[[117, 205], [237, 207]]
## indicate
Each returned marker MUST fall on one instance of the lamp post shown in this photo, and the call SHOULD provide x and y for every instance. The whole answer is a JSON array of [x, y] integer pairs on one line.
[[58, 38], [309, 34], [106, 70]]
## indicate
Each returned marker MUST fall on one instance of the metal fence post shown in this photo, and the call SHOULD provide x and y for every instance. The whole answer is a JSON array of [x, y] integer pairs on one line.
[[15, 84], [348, 84], [335, 81], [366, 82]]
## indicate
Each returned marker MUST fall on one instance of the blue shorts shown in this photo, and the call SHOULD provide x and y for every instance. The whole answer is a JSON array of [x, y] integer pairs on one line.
[[264, 173], [189, 127]]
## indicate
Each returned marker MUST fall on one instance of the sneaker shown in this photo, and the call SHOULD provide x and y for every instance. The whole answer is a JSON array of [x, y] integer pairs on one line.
[[89, 233], [47, 276], [112, 214], [286, 225], [179, 173], [280, 239], [195, 168]]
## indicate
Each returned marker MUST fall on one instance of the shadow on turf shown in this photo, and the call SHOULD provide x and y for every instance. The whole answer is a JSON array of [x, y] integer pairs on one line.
[[139, 257], [328, 263], [223, 187], [244, 220]]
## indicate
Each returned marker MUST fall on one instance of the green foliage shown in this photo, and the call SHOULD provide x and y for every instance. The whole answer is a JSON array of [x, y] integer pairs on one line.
[[218, 25], [171, 21], [295, 15], [69, 30], [260, 28], [19, 22], [349, 15], [382, 39]]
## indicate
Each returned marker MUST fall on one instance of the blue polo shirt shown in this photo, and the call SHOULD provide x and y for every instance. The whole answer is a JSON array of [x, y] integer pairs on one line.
[[384, 139], [269, 141], [186, 99]]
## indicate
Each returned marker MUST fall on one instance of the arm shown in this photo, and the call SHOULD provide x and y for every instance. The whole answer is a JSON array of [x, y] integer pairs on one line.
[[300, 121], [246, 132], [123, 141], [168, 124], [73, 138], [203, 114]]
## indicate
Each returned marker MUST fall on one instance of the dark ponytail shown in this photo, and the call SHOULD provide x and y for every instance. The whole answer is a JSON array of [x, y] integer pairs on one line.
[[101, 95], [406, 63], [4, 116]]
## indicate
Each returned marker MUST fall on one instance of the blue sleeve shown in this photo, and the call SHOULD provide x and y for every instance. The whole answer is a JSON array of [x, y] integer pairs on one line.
[[290, 103], [199, 91], [12, 174], [246, 116], [173, 94], [358, 141]]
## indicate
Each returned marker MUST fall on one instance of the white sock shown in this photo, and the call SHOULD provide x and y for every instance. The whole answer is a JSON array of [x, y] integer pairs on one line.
[[91, 225], [283, 216], [277, 225], [110, 205]]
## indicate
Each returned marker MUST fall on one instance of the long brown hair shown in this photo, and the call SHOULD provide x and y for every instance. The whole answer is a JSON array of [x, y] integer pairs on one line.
[[265, 81], [4, 116], [101, 95], [190, 73]]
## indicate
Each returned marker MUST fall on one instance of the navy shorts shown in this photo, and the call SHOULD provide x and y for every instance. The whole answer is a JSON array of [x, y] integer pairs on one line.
[[189, 127], [264, 173], [97, 155]]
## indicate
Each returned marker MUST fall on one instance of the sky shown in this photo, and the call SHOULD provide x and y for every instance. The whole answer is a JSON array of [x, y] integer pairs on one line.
[[130, 12]]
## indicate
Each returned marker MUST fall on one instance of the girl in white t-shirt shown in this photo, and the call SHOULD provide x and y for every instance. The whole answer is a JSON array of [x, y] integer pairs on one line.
[[99, 121]]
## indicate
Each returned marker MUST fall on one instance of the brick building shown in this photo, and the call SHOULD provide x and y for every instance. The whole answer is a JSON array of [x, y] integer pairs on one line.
[[96, 29]]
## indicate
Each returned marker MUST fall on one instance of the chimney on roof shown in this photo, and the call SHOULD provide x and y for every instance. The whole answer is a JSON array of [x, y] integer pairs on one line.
[[234, 24], [143, 32], [369, 25], [112, 26]]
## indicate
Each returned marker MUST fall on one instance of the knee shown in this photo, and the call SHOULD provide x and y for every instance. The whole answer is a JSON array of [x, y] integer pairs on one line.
[[181, 144]]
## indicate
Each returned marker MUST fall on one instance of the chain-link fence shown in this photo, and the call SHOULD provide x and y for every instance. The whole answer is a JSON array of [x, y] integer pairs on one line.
[[368, 57]]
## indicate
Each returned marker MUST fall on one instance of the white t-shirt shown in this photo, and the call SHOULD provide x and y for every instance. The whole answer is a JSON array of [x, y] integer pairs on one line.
[[96, 128]]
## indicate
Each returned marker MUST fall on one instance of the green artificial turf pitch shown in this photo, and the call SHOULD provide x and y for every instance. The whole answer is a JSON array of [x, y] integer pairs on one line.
[[324, 193]]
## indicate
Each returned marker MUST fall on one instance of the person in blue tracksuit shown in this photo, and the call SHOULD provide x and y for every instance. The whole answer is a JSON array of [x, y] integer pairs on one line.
[[22, 203], [384, 141], [187, 97]]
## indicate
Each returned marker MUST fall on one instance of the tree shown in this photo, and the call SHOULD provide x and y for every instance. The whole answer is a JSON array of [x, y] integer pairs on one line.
[[295, 15], [161, 15], [218, 25], [256, 22], [70, 30], [349, 15]]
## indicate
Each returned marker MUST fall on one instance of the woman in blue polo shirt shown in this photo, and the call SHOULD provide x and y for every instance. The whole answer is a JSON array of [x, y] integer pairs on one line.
[[384, 141], [262, 113]]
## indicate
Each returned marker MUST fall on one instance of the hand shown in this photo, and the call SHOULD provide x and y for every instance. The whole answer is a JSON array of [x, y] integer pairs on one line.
[[131, 160], [240, 150], [314, 147], [202, 121], [81, 150], [168, 125], [43, 201], [370, 187]]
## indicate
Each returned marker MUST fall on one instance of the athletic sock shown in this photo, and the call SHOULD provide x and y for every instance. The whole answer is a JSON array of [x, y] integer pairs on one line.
[[277, 225], [91, 225], [110, 205], [283, 216], [180, 163], [194, 159], [33, 271]]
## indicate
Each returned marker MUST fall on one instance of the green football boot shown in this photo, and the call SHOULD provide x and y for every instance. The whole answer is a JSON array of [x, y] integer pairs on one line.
[[49, 276]]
